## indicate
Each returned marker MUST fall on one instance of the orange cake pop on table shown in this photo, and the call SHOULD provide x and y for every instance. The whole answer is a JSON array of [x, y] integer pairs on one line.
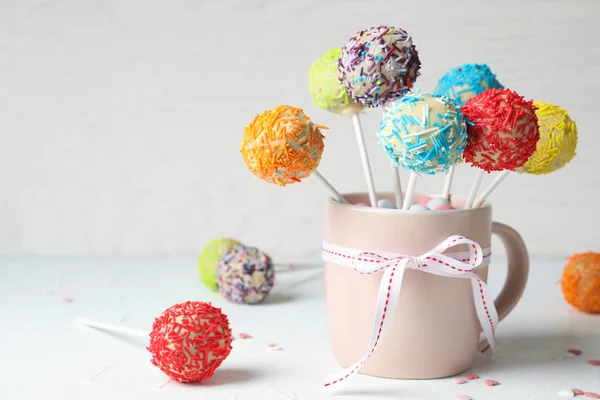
[[283, 146], [581, 282]]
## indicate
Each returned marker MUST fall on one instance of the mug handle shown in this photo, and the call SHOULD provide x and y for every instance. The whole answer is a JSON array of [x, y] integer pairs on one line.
[[518, 269]]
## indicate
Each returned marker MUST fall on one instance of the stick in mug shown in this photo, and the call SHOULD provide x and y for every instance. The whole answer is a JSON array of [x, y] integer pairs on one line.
[[330, 187], [474, 188], [448, 183], [397, 187], [410, 190], [360, 140]]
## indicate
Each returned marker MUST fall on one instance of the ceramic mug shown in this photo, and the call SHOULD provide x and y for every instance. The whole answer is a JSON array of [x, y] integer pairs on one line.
[[435, 331]]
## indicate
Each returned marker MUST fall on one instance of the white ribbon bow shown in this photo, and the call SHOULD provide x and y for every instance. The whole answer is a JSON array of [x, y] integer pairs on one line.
[[455, 265]]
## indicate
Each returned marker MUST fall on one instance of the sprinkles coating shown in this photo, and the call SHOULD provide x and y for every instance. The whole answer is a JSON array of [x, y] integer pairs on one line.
[[379, 65], [190, 340], [502, 130], [245, 275], [423, 133], [210, 255], [282, 145], [558, 140], [461, 83], [325, 88]]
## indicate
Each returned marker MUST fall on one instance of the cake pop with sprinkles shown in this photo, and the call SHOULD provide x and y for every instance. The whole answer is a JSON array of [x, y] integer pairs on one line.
[[379, 65], [283, 146], [209, 257], [245, 275], [423, 133], [581, 282], [502, 130], [189, 341], [461, 83], [325, 87], [558, 140], [328, 93]]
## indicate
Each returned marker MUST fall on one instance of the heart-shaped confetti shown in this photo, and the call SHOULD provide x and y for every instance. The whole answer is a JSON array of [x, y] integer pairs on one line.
[[591, 395], [459, 380], [578, 392], [566, 393], [595, 363], [244, 336], [575, 352], [274, 347], [471, 377], [462, 397], [490, 382]]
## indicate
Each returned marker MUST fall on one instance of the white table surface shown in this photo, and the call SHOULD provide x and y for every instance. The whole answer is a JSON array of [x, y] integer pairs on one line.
[[46, 355]]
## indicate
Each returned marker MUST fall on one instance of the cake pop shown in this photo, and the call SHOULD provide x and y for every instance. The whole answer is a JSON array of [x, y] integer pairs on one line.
[[325, 87], [245, 275], [558, 140], [328, 93], [423, 133], [188, 341], [502, 133], [211, 254], [555, 148], [459, 85], [581, 282], [283, 146], [379, 65]]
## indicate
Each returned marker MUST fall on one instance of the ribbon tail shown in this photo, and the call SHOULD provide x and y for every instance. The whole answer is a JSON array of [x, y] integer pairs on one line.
[[387, 300], [486, 313]]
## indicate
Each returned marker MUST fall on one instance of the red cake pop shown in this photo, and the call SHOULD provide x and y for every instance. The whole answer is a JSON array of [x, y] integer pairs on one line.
[[503, 132], [190, 340]]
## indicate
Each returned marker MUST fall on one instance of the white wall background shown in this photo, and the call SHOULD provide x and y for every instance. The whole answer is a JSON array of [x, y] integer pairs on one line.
[[120, 121]]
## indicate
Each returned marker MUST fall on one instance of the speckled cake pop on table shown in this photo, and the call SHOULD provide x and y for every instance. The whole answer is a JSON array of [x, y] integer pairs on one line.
[[423, 133], [245, 275], [503, 130], [282, 145], [558, 140], [210, 255], [461, 83], [379, 65], [325, 87], [581, 282], [190, 340]]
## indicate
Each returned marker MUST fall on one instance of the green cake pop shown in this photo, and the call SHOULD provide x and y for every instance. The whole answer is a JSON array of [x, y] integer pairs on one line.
[[210, 256]]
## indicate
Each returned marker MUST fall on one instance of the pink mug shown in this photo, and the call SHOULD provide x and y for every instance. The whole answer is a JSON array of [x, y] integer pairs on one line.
[[435, 330]]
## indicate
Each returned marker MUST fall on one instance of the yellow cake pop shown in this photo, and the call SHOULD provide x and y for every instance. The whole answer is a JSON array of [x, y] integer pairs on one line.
[[558, 140]]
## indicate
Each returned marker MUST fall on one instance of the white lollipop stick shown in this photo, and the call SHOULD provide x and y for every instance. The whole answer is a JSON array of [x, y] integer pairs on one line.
[[488, 190], [410, 190], [397, 187], [113, 328], [360, 139], [448, 183], [325, 182], [474, 188]]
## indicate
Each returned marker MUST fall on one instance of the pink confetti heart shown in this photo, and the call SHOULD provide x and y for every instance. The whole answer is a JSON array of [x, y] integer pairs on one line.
[[274, 347], [66, 300], [592, 395], [245, 336], [578, 392], [471, 377], [575, 352], [595, 363], [459, 380], [463, 397], [490, 382]]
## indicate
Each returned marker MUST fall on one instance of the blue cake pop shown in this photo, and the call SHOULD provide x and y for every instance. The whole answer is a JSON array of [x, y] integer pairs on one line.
[[423, 133], [461, 83]]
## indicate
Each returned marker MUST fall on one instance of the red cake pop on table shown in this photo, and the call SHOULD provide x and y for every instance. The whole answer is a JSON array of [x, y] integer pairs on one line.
[[502, 133], [190, 340]]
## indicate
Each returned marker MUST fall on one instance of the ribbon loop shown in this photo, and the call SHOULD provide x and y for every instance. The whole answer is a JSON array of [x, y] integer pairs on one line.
[[437, 262]]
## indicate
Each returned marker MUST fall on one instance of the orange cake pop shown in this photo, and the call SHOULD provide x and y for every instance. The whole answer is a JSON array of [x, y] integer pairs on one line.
[[283, 146], [581, 282]]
